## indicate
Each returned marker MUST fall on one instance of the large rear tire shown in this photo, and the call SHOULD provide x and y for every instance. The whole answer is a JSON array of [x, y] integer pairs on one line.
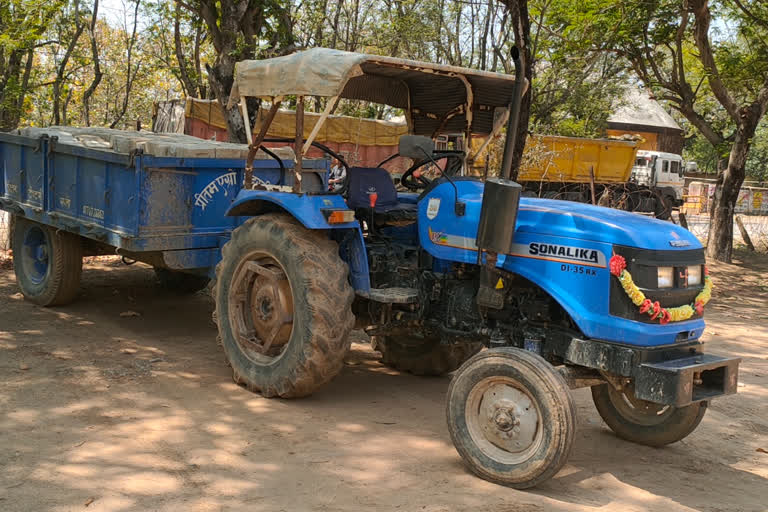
[[423, 356], [511, 417], [283, 306], [645, 422], [48, 262], [180, 282]]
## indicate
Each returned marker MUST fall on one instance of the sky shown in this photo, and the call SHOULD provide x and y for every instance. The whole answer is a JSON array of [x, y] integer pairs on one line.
[[115, 12]]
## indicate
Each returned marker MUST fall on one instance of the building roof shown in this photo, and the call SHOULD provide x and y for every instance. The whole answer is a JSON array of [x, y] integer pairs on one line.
[[640, 109]]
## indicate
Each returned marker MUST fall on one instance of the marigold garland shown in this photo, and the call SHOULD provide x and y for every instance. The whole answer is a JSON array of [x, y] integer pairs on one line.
[[618, 267]]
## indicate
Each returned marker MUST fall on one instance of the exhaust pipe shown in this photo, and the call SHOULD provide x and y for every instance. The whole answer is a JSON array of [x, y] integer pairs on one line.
[[514, 116]]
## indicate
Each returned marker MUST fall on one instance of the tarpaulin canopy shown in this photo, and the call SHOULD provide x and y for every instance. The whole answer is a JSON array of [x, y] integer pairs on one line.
[[339, 129], [436, 98]]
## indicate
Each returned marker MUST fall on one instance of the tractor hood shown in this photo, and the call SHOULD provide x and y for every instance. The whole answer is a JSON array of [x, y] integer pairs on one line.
[[587, 222], [564, 220]]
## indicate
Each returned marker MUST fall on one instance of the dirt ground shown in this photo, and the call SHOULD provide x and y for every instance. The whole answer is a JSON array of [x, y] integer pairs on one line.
[[100, 411]]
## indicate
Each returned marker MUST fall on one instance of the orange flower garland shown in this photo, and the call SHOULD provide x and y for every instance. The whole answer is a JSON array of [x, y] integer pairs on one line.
[[618, 267]]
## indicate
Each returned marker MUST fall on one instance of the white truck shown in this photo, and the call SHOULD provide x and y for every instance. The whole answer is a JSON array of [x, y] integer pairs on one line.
[[662, 173]]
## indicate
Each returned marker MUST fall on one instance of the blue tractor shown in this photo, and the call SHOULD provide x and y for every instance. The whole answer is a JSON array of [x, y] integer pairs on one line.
[[524, 298]]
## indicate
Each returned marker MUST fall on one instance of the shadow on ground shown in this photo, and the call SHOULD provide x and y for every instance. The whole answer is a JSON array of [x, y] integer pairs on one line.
[[140, 413]]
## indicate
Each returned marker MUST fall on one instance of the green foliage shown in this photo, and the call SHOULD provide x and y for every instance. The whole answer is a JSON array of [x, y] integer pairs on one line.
[[23, 24]]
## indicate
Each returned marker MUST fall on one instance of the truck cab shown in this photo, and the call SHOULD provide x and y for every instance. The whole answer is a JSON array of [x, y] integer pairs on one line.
[[661, 171]]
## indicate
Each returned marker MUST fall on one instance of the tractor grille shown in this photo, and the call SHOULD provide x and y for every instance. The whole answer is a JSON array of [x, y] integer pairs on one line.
[[643, 265]]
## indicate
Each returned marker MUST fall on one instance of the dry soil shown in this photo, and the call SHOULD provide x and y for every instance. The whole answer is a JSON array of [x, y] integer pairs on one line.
[[100, 411]]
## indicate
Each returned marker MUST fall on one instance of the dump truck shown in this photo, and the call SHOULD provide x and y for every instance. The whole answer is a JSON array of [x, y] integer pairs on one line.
[[522, 298], [608, 172]]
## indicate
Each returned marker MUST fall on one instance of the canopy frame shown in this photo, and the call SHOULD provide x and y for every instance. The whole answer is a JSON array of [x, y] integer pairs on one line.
[[433, 106]]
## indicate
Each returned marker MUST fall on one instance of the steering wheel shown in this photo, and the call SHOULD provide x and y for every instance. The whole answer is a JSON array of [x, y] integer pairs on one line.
[[414, 180]]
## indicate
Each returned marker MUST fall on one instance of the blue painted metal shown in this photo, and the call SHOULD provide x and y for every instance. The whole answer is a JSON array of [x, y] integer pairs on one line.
[[353, 252], [133, 202], [306, 208], [582, 288], [181, 208], [35, 251]]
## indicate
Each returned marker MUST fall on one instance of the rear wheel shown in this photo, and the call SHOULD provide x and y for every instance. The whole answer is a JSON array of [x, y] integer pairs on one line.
[[511, 417], [283, 306], [645, 422], [48, 263], [423, 355], [180, 282]]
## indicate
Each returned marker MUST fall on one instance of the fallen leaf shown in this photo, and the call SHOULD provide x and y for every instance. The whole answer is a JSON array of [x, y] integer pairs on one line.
[[89, 501], [23, 366], [761, 450], [129, 313]]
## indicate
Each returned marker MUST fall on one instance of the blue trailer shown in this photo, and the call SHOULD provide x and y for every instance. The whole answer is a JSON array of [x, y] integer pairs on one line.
[[168, 212], [523, 298]]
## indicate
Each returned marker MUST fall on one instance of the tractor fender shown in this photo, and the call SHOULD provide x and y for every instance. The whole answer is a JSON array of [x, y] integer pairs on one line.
[[306, 208]]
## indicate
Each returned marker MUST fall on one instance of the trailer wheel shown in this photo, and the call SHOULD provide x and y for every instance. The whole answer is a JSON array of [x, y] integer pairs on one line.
[[423, 356], [180, 282], [511, 417], [645, 422], [283, 306], [48, 263]]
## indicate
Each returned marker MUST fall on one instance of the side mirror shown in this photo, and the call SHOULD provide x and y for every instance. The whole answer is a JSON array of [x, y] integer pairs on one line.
[[416, 146]]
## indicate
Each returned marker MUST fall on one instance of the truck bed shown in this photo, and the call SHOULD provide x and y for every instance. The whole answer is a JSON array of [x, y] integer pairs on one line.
[[133, 202], [550, 158]]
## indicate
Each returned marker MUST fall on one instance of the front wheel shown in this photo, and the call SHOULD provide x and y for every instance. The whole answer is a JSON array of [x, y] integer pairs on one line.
[[511, 417], [48, 263], [283, 306], [645, 422]]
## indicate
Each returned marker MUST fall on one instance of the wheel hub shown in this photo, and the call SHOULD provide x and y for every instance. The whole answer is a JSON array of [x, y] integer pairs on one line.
[[261, 308], [41, 253], [271, 310], [36, 254], [503, 419]]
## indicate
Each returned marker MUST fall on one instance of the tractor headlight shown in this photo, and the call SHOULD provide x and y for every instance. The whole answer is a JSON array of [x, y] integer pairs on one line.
[[666, 277], [694, 275]]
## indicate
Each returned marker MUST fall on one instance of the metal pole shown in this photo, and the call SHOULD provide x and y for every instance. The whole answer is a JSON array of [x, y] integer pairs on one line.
[[256, 142], [297, 147], [514, 116]]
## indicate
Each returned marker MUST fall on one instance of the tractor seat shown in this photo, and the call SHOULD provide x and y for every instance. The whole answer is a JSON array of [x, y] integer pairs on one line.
[[364, 181]]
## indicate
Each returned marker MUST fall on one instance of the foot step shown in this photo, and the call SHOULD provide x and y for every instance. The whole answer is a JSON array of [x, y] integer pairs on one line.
[[392, 295]]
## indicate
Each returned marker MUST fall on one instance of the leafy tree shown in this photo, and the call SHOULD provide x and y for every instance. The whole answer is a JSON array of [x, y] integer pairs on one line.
[[240, 30], [706, 75], [179, 43], [23, 24]]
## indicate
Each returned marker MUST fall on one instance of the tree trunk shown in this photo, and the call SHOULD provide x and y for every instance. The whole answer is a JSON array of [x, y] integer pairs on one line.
[[220, 80], [97, 73], [720, 237], [190, 88]]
